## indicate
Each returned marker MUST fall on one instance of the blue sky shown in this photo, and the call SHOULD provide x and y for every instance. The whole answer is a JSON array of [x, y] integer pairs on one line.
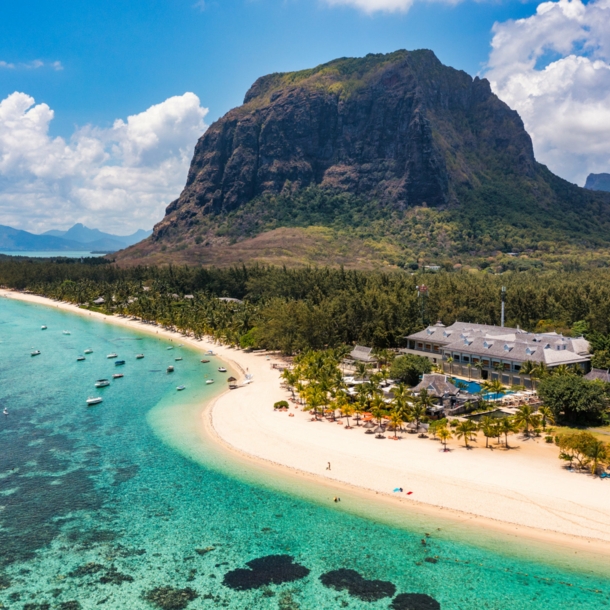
[[129, 86]]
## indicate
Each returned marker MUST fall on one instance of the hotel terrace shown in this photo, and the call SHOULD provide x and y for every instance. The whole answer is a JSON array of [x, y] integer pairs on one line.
[[480, 351]]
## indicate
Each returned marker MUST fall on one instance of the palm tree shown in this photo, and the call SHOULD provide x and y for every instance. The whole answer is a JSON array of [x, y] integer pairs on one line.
[[395, 421], [597, 452], [525, 417], [479, 366], [449, 361], [488, 427], [546, 415], [361, 370], [417, 413], [506, 427], [444, 435], [464, 430], [469, 367], [348, 411], [494, 387]]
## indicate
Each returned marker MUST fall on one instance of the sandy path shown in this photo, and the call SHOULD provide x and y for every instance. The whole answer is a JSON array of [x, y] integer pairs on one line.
[[524, 487]]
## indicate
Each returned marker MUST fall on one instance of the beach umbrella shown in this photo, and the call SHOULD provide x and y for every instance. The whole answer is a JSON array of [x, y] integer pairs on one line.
[[230, 379], [369, 424]]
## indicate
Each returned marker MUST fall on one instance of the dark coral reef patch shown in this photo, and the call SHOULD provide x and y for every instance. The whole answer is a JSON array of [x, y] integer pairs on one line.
[[269, 570], [357, 586], [414, 601], [169, 598]]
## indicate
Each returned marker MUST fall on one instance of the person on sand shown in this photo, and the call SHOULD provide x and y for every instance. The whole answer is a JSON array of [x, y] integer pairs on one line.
[[328, 467]]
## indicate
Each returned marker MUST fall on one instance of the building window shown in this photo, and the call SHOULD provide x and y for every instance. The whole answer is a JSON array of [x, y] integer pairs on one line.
[[420, 346], [485, 362], [428, 346], [517, 367], [506, 366], [435, 348], [456, 357], [466, 358]]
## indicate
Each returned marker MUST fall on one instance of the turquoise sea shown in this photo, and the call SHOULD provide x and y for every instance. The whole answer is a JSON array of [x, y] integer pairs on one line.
[[123, 505]]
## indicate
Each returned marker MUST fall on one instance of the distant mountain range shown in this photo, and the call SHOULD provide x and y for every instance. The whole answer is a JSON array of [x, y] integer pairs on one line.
[[598, 182], [77, 238]]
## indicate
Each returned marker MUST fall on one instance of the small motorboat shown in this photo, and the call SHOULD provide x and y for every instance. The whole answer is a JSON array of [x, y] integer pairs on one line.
[[36, 352], [117, 375], [102, 383], [205, 361], [209, 381], [66, 332], [43, 327], [221, 369], [113, 355], [170, 369], [170, 347], [80, 359], [88, 351], [94, 400], [178, 359], [139, 356], [119, 362], [180, 388]]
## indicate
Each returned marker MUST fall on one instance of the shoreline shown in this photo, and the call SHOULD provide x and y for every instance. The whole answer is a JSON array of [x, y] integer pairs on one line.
[[241, 424]]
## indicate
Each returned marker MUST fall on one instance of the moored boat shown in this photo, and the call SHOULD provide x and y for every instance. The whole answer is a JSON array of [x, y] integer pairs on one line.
[[119, 362], [170, 347], [102, 383], [139, 356], [113, 355], [205, 361], [43, 327], [170, 369], [178, 359], [80, 359], [66, 332], [88, 351], [209, 381], [117, 375], [221, 369], [94, 400], [180, 388], [36, 352]]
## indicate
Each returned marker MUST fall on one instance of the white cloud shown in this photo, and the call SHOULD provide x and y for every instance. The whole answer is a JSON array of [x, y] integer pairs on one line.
[[554, 69], [31, 65], [117, 179], [383, 6]]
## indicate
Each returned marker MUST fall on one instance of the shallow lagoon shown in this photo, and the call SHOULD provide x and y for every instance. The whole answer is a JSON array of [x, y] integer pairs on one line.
[[98, 509]]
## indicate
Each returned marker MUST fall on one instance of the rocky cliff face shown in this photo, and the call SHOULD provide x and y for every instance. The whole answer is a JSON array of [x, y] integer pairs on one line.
[[401, 129]]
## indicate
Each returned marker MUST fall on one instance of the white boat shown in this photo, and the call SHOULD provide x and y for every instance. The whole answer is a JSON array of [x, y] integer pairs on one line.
[[209, 381], [117, 375], [139, 356], [221, 369], [43, 327], [94, 400], [36, 352], [65, 332], [177, 359], [180, 388], [170, 347], [170, 369], [88, 351], [80, 359], [102, 383], [113, 355]]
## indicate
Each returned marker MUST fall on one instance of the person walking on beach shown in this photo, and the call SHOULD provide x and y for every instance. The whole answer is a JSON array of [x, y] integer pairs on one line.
[[328, 467]]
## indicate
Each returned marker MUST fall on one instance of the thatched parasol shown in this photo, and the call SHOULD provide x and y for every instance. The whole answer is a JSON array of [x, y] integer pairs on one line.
[[369, 424], [230, 379]]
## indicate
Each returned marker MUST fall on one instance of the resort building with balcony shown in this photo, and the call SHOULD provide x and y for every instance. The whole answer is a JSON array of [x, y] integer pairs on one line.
[[481, 351]]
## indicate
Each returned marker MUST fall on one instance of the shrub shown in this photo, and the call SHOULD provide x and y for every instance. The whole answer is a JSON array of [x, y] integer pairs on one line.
[[408, 369], [280, 404]]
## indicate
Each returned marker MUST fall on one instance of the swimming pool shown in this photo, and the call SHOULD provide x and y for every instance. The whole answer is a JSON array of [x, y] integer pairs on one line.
[[472, 387]]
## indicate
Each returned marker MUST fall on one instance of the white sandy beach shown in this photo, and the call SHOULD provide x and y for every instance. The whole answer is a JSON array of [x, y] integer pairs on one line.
[[524, 490]]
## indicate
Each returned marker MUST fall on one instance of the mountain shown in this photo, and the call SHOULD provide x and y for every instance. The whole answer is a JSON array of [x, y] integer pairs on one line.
[[21, 241], [78, 238], [386, 159], [85, 235], [598, 182]]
